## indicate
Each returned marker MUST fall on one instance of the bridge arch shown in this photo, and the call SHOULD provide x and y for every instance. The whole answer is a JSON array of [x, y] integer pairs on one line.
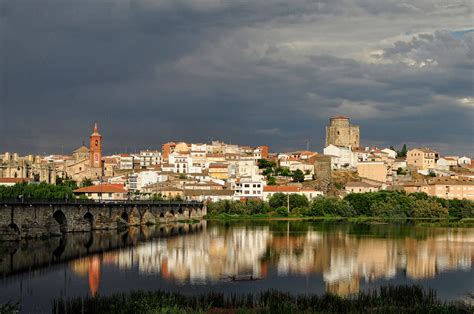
[[89, 218], [14, 227], [124, 216], [61, 220]]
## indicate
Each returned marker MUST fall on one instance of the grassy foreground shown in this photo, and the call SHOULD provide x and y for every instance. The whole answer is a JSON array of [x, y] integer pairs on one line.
[[388, 299]]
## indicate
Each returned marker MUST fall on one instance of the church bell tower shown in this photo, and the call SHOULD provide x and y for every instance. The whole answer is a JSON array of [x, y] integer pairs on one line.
[[95, 149]]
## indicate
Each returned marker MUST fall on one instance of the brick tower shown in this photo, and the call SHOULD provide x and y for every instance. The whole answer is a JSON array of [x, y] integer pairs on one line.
[[95, 149]]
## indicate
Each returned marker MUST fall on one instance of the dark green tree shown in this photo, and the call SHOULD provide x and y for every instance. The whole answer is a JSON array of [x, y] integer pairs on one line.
[[403, 152], [278, 200], [263, 164], [298, 175], [86, 182], [271, 181]]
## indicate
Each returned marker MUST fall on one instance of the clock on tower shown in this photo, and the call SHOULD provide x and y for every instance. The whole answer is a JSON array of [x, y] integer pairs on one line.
[[95, 149]]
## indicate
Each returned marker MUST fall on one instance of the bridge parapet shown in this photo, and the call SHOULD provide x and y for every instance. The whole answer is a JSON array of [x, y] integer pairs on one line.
[[27, 218]]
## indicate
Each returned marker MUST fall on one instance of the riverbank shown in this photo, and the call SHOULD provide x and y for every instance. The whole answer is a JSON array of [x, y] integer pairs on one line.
[[387, 299], [426, 222]]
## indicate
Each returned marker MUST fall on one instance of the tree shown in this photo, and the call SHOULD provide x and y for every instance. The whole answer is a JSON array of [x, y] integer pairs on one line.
[[263, 164], [403, 151], [86, 182], [278, 200], [298, 201], [428, 208], [388, 209], [271, 181], [298, 175], [327, 206]]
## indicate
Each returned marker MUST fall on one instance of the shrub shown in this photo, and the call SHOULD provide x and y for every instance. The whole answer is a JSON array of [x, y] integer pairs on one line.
[[390, 209], [428, 209], [332, 207], [282, 211], [278, 200]]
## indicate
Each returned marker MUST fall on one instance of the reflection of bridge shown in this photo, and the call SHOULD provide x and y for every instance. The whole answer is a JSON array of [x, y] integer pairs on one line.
[[20, 257], [40, 218]]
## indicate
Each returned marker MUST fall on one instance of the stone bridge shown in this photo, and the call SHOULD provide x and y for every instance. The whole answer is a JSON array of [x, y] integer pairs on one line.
[[42, 218]]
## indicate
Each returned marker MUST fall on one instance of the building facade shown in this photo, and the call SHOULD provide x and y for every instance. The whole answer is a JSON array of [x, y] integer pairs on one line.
[[422, 158]]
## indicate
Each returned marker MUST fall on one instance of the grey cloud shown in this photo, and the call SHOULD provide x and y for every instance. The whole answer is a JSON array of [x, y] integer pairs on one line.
[[250, 72]]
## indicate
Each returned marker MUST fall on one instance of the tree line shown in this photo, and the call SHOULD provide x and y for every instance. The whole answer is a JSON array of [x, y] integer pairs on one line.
[[383, 204], [63, 189]]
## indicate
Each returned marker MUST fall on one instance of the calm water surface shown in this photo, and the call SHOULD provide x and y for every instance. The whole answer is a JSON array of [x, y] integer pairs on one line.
[[294, 256]]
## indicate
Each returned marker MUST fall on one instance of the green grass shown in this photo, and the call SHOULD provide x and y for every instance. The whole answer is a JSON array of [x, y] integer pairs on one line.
[[387, 299]]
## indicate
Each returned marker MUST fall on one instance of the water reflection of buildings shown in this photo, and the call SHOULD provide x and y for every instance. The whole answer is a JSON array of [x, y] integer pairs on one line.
[[342, 259]]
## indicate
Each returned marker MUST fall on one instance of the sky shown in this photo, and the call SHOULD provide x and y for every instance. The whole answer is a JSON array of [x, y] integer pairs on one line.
[[243, 71]]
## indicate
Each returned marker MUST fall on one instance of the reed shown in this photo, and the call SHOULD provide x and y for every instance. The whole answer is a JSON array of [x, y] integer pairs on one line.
[[386, 299]]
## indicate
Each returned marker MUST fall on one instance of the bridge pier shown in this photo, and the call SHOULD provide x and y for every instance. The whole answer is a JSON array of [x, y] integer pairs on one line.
[[45, 219]]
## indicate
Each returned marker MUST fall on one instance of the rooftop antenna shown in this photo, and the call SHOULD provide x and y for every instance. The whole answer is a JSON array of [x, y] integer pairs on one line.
[[308, 142]]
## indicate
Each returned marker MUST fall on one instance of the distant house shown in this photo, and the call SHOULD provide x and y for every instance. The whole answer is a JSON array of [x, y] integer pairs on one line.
[[445, 163], [219, 171], [362, 187], [106, 192], [248, 189], [209, 195], [422, 158], [464, 161], [445, 188], [391, 153], [343, 156], [270, 190]]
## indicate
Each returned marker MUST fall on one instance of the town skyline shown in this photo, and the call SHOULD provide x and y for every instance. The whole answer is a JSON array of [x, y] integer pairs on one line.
[[315, 144]]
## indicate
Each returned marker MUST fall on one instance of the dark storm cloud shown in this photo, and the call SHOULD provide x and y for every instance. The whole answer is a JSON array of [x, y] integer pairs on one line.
[[249, 72]]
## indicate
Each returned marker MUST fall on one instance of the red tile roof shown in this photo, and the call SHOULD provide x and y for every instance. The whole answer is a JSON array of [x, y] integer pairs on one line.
[[218, 166], [14, 180], [102, 188]]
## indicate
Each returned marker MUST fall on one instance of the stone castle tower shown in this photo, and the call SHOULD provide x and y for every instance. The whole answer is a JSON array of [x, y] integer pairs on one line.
[[95, 149], [341, 132]]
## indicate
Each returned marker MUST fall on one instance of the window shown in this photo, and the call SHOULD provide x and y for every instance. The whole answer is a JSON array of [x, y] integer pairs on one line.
[[110, 194]]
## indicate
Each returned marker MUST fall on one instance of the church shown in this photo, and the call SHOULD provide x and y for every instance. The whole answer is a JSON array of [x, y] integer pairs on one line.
[[86, 162]]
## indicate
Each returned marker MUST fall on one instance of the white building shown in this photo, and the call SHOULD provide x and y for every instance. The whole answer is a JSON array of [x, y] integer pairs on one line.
[[248, 189], [269, 190], [149, 158], [445, 163], [343, 156], [181, 162], [464, 161], [391, 153], [125, 162], [137, 181]]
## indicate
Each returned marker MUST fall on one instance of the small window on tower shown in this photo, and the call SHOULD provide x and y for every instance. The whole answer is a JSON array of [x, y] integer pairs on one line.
[[96, 142]]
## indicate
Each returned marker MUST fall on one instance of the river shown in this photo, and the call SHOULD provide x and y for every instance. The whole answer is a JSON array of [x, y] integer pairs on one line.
[[238, 257]]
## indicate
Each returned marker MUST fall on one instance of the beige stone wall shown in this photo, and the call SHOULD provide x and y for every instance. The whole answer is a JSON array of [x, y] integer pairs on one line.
[[376, 171], [341, 133], [23, 168]]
